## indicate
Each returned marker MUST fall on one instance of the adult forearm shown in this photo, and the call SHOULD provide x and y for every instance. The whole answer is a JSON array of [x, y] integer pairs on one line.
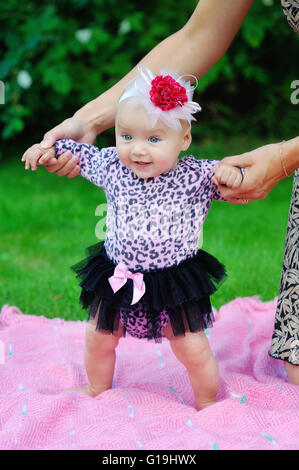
[[193, 49], [290, 154], [100, 112]]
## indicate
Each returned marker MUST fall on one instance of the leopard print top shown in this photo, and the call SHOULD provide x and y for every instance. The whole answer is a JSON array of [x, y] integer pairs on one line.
[[151, 223]]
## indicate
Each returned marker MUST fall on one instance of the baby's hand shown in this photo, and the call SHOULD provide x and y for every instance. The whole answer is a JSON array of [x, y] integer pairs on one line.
[[227, 175], [36, 156]]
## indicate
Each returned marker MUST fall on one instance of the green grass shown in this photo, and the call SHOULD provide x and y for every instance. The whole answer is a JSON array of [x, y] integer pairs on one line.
[[47, 221]]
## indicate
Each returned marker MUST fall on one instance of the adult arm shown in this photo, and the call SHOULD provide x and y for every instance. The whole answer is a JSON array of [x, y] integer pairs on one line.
[[198, 45], [264, 168]]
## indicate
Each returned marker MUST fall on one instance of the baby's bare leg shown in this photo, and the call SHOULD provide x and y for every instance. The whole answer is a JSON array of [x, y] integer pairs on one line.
[[193, 350], [99, 359]]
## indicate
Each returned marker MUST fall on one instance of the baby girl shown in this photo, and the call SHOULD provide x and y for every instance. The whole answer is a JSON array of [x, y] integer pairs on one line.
[[149, 278]]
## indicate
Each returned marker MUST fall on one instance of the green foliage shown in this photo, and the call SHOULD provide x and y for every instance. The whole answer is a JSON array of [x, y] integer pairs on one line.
[[47, 222], [59, 55]]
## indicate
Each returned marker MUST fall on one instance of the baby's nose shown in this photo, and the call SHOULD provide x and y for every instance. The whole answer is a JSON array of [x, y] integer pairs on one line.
[[139, 149]]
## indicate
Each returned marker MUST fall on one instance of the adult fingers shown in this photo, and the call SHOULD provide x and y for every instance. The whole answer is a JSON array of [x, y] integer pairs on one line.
[[50, 162], [238, 201], [59, 163], [75, 172], [68, 167], [232, 194], [65, 165], [243, 160], [214, 180], [49, 155], [243, 193]]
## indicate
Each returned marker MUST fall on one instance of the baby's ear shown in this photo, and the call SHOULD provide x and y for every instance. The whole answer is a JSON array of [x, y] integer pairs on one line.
[[187, 138]]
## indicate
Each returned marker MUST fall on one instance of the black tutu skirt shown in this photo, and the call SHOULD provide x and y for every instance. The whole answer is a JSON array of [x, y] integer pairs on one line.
[[180, 293]]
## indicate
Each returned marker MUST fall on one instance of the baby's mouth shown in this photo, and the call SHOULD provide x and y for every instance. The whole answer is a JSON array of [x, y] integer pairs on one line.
[[142, 163]]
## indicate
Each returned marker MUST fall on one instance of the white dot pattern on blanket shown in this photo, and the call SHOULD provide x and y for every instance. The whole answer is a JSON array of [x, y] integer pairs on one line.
[[151, 405]]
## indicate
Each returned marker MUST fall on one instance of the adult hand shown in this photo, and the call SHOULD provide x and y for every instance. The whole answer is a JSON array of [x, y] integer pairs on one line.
[[263, 170], [66, 164]]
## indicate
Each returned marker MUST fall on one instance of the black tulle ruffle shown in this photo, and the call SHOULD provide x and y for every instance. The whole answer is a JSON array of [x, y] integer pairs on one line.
[[183, 291]]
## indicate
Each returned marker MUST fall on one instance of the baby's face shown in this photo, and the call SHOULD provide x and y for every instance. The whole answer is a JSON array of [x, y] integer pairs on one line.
[[147, 151]]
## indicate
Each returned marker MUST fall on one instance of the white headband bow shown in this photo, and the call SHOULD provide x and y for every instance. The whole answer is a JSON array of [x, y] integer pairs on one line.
[[166, 96]]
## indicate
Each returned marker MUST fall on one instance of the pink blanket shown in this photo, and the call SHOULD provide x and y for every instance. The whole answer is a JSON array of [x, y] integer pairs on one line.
[[151, 404]]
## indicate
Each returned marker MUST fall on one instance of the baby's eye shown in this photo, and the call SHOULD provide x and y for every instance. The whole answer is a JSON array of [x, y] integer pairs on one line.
[[154, 139], [126, 137]]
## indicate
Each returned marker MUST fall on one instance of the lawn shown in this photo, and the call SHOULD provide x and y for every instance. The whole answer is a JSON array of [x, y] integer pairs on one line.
[[47, 221]]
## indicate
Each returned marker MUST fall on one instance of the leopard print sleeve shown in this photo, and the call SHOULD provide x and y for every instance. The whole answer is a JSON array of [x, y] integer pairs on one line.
[[215, 193], [92, 161]]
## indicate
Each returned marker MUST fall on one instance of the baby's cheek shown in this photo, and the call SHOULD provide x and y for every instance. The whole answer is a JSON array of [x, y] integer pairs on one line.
[[123, 157]]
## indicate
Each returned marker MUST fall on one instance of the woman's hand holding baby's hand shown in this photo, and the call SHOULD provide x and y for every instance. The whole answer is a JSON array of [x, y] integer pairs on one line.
[[263, 168], [228, 178], [227, 175], [66, 165]]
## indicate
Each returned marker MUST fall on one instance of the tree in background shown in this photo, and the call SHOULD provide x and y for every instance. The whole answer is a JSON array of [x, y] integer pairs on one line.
[[59, 55]]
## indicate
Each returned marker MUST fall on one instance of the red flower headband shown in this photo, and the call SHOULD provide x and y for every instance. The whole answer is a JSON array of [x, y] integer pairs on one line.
[[166, 96], [167, 93]]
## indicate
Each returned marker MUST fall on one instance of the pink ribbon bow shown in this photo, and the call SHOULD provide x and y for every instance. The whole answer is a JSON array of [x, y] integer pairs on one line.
[[120, 277]]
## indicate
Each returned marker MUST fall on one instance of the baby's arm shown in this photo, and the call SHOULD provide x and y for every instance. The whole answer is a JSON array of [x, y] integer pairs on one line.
[[91, 159]]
